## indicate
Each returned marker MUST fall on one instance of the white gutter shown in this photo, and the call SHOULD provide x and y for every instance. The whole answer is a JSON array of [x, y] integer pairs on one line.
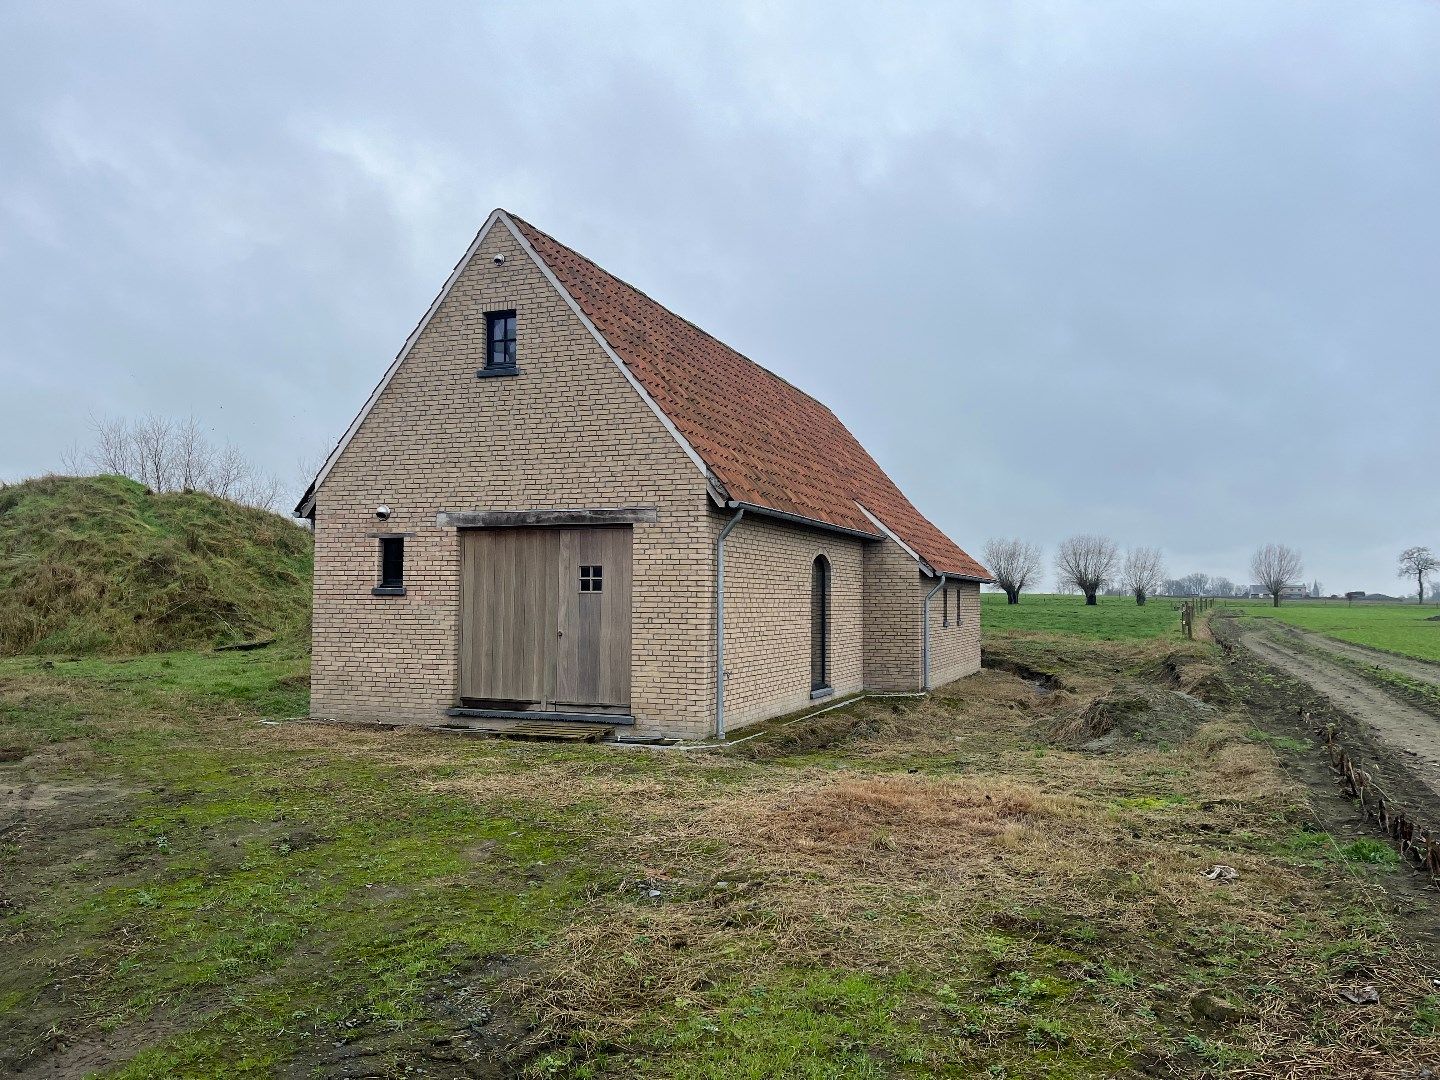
[[720, 623]]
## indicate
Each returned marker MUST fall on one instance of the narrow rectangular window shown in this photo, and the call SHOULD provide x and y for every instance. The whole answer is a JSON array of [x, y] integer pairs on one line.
[[500, 332], [392, 562], [944, 607]]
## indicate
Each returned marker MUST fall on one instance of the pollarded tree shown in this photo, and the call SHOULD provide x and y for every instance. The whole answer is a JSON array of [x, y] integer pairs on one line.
[[1274, 566], [1014, 563], [1418, 563], [1143, 572], [1086, 562]]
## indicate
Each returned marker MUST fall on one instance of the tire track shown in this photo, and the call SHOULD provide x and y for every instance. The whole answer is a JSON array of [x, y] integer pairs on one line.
[[1410, 733], [1419, 670]]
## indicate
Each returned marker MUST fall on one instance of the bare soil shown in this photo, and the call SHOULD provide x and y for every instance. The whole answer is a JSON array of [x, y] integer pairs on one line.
[[1405, 735], [1420, 670], [1288, 707]]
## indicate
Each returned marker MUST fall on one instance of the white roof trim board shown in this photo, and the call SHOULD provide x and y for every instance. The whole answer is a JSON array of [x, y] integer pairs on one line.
[[307, 502], [600, 339], [891, 536]]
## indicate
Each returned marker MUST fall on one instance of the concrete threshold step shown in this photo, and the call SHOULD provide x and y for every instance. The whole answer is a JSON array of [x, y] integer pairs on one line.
[[610, 719], [533, 731]]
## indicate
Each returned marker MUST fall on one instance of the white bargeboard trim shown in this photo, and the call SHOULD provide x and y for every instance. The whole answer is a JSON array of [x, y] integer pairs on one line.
[[889, 534], [307, 502], [605, 345]]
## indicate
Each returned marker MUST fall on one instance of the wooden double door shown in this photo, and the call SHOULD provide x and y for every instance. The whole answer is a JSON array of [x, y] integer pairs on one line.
[[545, 616]]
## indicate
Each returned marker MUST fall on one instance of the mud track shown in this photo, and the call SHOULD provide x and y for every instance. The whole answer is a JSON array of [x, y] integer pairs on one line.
[[1420, 670], [1404, 733]]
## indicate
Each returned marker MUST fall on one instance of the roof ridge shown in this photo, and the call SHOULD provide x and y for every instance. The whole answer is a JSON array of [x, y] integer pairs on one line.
[[669, 310]]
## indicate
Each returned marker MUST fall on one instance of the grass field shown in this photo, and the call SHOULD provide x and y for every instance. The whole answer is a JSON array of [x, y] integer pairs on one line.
[[1113, 618], [904, 888], [1405, 629]]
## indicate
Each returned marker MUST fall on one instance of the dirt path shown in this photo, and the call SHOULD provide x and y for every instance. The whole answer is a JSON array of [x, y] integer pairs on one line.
[[1412, 734], [1420, 670]]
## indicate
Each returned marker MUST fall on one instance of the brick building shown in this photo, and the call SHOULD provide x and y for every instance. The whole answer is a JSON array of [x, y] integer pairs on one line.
[[563, 498]]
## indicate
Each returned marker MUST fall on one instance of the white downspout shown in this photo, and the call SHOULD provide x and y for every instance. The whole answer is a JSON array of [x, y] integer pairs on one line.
[[720, 623], [925, 619]]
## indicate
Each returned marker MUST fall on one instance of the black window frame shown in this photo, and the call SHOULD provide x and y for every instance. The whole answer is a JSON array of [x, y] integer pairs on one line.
[[509, 336], [944, 606], [391, 568], [821, 684], [592, 578]]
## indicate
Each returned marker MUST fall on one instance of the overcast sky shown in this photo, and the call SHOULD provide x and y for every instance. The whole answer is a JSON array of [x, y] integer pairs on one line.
[[1169, 272]]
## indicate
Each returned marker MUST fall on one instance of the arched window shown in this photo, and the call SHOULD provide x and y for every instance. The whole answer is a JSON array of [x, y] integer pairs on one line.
[[820, 624]]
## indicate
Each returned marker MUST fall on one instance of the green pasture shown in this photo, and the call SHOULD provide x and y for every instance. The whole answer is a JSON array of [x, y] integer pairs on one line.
[[1407, 629]]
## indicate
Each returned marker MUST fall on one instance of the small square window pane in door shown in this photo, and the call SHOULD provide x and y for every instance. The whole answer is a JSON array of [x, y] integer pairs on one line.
[[591, 578]]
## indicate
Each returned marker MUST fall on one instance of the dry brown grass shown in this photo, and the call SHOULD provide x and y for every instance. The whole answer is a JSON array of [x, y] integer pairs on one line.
[[901, 823], [844, 858]]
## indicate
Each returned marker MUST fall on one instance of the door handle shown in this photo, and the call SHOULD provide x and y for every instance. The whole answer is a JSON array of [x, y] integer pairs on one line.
[[559, 633]]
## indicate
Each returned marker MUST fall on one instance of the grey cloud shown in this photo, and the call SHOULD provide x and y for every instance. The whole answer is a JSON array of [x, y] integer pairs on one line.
[[1165, 271]]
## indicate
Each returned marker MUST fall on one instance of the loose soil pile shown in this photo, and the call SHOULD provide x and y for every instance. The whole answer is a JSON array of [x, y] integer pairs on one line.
[[1132, 715]]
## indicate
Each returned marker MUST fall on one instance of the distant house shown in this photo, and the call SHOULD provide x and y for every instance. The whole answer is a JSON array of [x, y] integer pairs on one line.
[[1289, 592], [563, 500]]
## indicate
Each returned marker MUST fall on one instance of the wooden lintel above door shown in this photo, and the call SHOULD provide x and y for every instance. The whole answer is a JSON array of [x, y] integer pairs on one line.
[[492, 519]]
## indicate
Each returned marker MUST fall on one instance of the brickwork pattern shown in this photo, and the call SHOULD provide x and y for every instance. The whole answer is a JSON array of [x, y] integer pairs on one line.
[[768, 567], [570, 431], [954, 649], [892, 618]]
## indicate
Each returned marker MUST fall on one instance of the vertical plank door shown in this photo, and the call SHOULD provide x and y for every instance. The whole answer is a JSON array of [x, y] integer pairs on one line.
[[507, 613], [593, 589]]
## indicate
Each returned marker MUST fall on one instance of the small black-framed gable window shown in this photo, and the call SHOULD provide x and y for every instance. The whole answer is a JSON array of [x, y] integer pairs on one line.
[[500, 333], [392, 562], [592, 579]]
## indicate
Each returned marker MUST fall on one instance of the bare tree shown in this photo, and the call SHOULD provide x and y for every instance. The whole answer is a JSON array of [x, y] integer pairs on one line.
[[1222, 586], [1418, 563], [1143, 572], [1014, 563], [1274, 566], [1196, 584], [172, 455], [113, 452], [1086, 562]]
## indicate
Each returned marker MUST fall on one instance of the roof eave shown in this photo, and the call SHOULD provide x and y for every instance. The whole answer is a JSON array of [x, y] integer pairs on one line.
[[800, 519]]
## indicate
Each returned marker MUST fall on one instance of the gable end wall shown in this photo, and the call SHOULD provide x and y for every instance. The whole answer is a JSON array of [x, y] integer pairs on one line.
[[569, 432]]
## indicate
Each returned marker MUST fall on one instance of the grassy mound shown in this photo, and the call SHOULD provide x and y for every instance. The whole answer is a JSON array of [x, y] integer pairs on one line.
[[102, 565]]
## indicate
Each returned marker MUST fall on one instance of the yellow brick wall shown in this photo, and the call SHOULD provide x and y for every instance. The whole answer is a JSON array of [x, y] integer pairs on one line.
[[768, 567], [568, 432], [571, 431], [892, 618], [954, 649]]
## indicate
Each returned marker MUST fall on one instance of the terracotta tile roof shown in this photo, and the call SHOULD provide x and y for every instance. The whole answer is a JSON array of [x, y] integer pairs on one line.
[[766, 442]]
